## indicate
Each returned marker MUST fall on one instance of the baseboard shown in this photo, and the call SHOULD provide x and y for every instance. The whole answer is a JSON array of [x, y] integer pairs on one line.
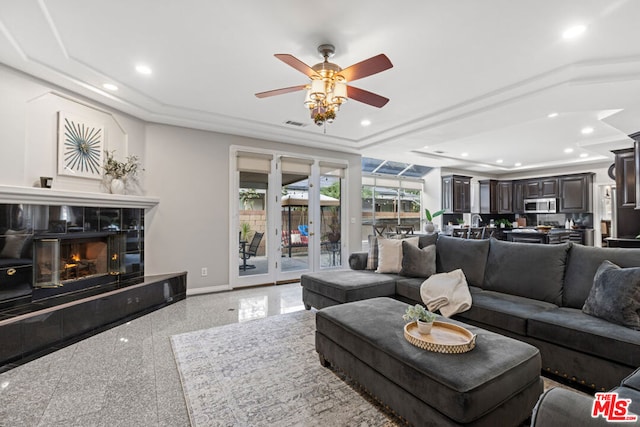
[[208, 290]]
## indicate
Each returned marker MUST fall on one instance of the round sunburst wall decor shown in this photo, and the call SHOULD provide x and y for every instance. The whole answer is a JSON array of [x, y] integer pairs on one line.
[[80, 147]]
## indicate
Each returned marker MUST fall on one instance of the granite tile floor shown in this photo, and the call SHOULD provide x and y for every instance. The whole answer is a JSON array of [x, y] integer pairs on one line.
[[127, 376]]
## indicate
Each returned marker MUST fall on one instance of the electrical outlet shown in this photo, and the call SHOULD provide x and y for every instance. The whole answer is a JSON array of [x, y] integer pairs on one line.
[[204, 271]]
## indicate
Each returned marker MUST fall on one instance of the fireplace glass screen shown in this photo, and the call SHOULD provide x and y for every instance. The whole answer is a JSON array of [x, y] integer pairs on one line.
[[61, 260]]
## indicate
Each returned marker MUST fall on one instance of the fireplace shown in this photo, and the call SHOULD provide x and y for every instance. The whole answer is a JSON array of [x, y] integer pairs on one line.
[[67, 251], [77, 261]]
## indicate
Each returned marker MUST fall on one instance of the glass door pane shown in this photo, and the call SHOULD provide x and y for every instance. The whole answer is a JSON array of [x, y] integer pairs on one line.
[[331, 220], [252, 219], [296, 236]]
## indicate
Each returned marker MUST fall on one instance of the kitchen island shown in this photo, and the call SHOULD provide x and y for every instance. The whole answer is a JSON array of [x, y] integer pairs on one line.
[[532, 235]]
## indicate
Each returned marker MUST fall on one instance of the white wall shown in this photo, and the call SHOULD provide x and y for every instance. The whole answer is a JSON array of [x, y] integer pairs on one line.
[[186, 169], [29, 120]]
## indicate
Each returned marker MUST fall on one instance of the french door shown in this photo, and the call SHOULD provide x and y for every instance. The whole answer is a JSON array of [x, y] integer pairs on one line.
[[288, 219]]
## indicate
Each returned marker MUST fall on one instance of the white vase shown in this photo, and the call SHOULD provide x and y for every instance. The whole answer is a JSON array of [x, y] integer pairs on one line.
[[424, 327], [429, 227], [117, 186]]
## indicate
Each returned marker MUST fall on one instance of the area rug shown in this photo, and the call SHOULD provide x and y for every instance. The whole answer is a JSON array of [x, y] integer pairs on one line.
[[264, 373]]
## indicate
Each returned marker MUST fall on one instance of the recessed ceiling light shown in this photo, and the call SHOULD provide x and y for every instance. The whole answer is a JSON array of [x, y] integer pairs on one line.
[[143, 69], [518, 164], [425, 147], [365, 122], [587, 130], [583, 155], [568, 150], [464, 154], [499, 161], [552, 115], [574, 31], [110, 86]]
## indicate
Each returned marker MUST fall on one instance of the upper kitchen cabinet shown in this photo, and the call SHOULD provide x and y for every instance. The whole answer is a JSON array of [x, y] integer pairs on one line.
[[625, 178], [540, 188], [456, 194], [627, 216], [575, 193], [518, 196], [636, 148], [505, 197], [496, 196]]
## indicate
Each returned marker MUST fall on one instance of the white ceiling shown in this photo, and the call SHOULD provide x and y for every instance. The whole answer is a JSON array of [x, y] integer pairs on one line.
[[470, 76]]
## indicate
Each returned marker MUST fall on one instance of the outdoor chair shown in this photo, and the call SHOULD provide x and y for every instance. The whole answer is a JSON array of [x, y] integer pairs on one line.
[[379, 229], [404, 229], [252, 250]]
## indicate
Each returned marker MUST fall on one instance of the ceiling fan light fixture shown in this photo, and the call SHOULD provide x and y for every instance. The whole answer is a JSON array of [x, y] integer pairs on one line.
[[327, 89], [318, 88]]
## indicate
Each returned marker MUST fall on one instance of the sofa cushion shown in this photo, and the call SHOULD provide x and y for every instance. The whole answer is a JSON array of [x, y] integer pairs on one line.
[[425, 240], [582, 263], [571, 328], [633, 380], [358, 260], [469, 255], [528, 270], [418, 262], [508, 312], [390, 254], [615, 295], [349, 285]]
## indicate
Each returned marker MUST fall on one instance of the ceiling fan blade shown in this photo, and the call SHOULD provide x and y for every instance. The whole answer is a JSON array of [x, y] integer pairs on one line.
[[280, 91], [366, 68], [294, 62], [366, 97]]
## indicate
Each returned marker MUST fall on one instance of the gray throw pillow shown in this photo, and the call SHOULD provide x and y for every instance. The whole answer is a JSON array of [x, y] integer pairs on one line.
[[418, 262], [615, 295], [372, 258]]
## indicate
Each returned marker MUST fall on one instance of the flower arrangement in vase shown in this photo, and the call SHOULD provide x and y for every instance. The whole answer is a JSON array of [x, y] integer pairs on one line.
[[117, 173], [423, 317]]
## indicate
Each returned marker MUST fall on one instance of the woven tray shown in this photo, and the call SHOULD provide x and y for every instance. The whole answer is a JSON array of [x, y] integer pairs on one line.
[[444, 338]]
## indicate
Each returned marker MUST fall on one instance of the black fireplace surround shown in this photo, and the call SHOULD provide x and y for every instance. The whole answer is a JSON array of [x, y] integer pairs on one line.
[[67, 272]]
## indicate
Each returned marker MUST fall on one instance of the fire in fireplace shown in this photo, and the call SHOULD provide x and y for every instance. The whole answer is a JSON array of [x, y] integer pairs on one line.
[[69, 258]]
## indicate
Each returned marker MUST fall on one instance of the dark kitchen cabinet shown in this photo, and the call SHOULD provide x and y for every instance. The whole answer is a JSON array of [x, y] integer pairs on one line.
[[540, 188], [456, 194], [636, 149], [518, 197], [505, 197], [627, 217], [575, 193], [488, 196], [496, 196], [626, 178]]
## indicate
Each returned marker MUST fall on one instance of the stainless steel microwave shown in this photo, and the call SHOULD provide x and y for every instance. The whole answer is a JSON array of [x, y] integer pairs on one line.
[[540, 205]]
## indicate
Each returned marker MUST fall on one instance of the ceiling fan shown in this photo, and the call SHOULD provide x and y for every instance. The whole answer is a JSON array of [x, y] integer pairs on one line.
[[328, 88]]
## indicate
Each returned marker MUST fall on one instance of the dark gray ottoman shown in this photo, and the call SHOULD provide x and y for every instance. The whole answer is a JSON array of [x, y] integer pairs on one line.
[[497, 383], [329, 288]]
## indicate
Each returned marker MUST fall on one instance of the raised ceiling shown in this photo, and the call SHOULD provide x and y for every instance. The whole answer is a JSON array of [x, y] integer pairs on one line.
[[469, 76]]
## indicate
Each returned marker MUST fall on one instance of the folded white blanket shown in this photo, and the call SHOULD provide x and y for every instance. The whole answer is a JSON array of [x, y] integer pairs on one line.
[[447, 292]]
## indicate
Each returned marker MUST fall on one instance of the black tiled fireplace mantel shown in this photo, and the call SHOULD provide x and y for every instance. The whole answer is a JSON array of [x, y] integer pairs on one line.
[[71, 265]]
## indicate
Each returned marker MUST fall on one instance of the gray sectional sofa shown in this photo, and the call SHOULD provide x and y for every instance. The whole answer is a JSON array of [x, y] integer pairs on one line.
[[560, 407], [531, 292]]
